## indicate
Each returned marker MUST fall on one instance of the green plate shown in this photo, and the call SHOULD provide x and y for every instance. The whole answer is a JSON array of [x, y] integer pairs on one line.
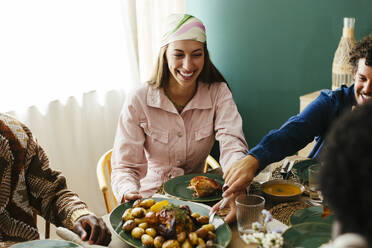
[[178, 187], [223, 231], [46, 243], [300, 169], [311, 214], [307, 235]]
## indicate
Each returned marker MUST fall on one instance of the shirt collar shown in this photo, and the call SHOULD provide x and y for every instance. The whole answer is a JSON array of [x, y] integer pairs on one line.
[[202, 99]]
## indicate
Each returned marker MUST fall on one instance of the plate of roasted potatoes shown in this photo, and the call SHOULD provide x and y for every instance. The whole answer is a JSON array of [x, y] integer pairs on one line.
[[168, 223]]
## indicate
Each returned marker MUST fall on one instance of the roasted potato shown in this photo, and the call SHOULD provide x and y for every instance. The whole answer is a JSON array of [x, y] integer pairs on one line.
[[143, 225], [171, 243], [186, 244], [195, 215], [151, 218], [209, 227], [151, 231], [127, 215], [210, 244], [129, 225], [158, 241], [193, 237], [202, 232], [138, 212], [203, 219], [201, 241], [147, 203], [137, 232], [211, 235], [137, 203], [181, 237], [147, 240], [139, 220]]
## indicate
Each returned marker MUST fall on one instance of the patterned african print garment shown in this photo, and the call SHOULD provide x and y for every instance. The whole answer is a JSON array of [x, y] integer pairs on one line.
[[27, 184]]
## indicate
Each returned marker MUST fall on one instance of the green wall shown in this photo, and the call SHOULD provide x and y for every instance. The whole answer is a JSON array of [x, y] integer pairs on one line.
[[273, 51]]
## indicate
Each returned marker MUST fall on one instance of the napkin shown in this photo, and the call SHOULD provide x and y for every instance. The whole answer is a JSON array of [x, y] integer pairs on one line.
[[69, 235]]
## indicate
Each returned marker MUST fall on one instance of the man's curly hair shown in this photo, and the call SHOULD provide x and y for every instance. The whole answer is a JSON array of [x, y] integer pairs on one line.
[[362, 49], [346, 178]]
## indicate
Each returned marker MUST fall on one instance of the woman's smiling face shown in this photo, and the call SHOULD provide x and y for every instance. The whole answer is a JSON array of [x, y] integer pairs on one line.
[[185, 60], [363, 82]]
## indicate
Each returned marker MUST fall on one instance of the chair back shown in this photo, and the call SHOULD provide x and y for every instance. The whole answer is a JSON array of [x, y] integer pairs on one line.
[[104, 180], [47, 225], [210, 162]]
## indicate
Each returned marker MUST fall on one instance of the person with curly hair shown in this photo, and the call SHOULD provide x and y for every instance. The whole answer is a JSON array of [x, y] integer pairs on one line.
[[346, 176], [313, 122]]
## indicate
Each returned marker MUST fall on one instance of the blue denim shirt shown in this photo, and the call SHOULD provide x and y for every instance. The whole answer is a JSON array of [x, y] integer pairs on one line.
[[313, 122]]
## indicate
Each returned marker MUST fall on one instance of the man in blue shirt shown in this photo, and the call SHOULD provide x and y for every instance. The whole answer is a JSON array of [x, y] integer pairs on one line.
[[299, 130]]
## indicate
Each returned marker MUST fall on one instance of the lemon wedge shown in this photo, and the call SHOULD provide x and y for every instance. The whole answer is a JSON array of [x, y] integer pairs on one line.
[[159, 206]]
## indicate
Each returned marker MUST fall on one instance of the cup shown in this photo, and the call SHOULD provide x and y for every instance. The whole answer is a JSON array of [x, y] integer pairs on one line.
[[248, 211], [314, 184]]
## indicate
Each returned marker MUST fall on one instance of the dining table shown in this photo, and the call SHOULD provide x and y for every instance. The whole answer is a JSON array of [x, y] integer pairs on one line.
[[236, 241]]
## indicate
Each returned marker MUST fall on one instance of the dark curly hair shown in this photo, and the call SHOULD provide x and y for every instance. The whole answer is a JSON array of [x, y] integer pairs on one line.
[[362, 49], [346, 177]]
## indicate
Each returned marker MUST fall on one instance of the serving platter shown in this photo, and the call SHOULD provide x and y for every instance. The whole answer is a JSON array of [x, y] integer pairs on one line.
[[223, 231]]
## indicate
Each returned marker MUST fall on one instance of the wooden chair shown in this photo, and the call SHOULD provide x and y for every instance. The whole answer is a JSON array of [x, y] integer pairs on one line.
[[47, 225], [104, 177], [210, 162], [104, 180]]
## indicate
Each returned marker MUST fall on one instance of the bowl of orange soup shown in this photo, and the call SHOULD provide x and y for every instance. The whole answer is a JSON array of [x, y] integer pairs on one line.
[[279, 190]]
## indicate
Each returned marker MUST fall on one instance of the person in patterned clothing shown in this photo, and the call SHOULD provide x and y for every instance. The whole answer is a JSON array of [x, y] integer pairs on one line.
[[28, 184]]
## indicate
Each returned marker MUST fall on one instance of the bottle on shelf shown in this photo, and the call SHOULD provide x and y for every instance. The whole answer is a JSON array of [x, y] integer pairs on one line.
[[341, 68]]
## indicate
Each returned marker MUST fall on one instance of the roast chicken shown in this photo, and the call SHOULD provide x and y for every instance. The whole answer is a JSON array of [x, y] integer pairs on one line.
[[204, 186]]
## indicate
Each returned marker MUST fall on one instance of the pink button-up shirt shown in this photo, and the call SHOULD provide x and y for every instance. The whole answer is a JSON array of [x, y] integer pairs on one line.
[[154, 142]]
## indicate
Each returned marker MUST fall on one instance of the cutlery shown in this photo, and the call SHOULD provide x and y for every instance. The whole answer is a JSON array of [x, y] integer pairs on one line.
[[286, 168], [69, 235], [223, 204]]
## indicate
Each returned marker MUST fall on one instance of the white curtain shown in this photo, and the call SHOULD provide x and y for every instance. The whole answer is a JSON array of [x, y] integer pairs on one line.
[[65, 67]]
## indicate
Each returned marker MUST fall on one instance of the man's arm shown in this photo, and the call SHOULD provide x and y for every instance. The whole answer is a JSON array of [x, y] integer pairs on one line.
[[48, 193]]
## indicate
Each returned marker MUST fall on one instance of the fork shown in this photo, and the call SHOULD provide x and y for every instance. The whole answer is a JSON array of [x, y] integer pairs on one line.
[[223, 204]]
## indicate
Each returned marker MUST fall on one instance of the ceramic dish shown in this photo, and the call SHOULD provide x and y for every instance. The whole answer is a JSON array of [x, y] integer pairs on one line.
[[223, 231], [307, 235], [311, 214], [178, 187], [280, 190], [46, 243]]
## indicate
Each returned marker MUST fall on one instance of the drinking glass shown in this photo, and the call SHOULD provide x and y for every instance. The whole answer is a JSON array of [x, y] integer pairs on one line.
[[248, 211], [314, 184]]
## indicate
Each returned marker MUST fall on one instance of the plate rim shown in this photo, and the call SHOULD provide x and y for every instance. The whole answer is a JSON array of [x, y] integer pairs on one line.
[[164, 198], [307, 223], [217, 198], [44, 240]]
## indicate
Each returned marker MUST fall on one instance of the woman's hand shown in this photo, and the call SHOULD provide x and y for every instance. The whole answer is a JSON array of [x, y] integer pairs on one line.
[[93, 229], [231, 216], [240, 174], [131, 196]]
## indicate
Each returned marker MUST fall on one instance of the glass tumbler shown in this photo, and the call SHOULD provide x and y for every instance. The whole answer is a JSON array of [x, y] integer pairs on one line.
[[248, 211]]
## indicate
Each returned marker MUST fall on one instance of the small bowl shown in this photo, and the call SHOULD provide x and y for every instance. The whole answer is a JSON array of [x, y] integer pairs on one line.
[[279, 192]]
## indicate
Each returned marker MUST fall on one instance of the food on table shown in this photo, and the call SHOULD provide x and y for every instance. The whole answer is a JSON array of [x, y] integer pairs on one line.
[[204, 186], [166, 225], [282, 189]]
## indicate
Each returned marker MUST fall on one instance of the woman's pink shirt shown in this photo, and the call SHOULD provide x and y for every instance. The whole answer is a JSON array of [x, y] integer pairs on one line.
[[154, 142]]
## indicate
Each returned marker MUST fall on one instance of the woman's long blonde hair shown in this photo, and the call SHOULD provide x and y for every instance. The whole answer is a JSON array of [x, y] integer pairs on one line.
[[160, 76]]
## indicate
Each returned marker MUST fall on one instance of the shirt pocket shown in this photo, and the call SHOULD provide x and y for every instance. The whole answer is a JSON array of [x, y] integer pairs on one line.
[[204, 132], [155, 133]]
